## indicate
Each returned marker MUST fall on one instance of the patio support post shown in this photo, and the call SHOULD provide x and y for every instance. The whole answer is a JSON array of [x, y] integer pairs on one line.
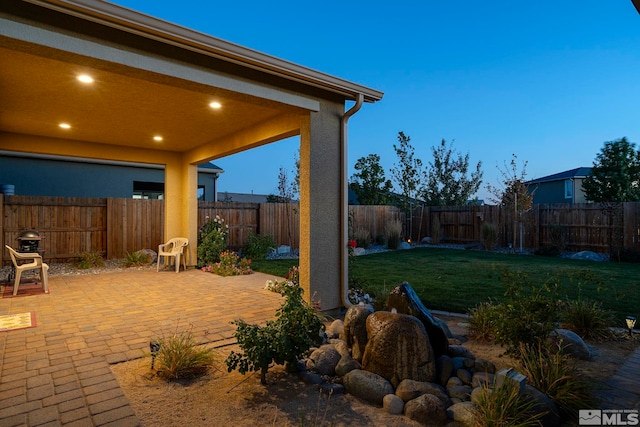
[[320, 205], [181, 205]]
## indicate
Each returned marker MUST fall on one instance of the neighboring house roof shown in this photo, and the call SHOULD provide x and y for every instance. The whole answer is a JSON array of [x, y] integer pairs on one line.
[[581, 172], [210, 168]]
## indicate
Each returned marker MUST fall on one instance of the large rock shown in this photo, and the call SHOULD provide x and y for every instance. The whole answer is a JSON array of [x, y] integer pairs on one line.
[[409, 389], [405, 300], [571, 343], [323, 361], [367, 386], [346, 365], [444, 369], [355, 329], [543, 404], [464, 413], [426, 409], [335, 329], [392, 404], [398, 348]]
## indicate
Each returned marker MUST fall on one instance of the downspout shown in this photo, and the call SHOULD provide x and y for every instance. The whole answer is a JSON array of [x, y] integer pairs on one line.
[[344, 206]]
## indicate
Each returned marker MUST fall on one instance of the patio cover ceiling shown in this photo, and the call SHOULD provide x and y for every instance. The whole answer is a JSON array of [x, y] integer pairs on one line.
[[127, 105]]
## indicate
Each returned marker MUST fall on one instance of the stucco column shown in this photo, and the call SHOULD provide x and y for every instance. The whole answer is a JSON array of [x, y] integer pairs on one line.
[[181, 204], [320, 201]]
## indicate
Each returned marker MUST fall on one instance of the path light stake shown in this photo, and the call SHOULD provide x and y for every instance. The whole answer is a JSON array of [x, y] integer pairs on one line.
[[631, 322], [154, 346]]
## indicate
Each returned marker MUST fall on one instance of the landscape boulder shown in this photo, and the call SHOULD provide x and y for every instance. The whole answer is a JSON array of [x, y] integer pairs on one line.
[[355, 329], [426, 409], [464, 413], [405, 300], [398, 348], [570, 342], [323, 361], [392, 404], [367, 386]]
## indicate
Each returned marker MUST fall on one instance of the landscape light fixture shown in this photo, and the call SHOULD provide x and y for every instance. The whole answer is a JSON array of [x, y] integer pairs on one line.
[[631, 322], [154, 346]]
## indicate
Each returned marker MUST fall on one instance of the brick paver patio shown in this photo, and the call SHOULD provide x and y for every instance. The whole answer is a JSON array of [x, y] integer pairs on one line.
[[58, 372]]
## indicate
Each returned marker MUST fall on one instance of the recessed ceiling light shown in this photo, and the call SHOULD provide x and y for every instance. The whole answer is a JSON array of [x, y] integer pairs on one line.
[[157, 138], [215, 104], [65, 125], [85, 78]]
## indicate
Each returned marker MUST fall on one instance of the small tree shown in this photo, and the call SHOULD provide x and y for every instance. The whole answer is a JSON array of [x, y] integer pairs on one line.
[[369, 182], [407, 172], [281, 341], [514, 193], [448, 182], [615, 176]]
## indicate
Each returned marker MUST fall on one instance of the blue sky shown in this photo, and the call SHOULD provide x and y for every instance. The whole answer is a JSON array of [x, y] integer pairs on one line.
[[549, 81]]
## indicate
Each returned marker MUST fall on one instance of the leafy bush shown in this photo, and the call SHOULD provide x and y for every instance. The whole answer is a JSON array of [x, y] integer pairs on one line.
[[257, 246], [212, 241], [503, 405], [362, 237], [587, 319], [393, 231], [230, 265], [135, 259], [284, 340], [489, 236], [482, 324], [180, 357], [292, 278], [554, 373], [528, 314], [90, 260]]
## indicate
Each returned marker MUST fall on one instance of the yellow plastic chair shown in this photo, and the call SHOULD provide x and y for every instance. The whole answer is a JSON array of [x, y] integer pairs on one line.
[[28, 261], [174, 248]]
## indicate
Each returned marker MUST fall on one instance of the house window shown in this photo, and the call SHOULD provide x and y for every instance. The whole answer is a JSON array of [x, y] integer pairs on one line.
[[200, 192], [148, 190], [568, 189]]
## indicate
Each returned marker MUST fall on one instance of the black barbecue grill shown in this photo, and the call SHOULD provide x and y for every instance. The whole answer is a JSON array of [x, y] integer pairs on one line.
[[29, 241]]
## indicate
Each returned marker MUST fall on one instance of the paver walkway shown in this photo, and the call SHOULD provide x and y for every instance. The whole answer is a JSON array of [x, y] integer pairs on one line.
[[58, 372], [622, 390]]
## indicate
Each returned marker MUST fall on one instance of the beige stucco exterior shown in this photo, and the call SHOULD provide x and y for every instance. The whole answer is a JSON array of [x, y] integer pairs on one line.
[[155, 78]]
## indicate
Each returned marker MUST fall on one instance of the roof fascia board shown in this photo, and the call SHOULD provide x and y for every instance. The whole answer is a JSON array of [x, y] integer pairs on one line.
[[134, 22]]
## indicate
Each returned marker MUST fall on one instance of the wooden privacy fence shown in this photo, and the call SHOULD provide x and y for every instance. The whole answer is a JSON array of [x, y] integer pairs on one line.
[[114, 227], [584, 226]]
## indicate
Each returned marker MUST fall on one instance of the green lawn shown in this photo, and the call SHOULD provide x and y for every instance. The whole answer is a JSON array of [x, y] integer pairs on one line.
[[455, 280]]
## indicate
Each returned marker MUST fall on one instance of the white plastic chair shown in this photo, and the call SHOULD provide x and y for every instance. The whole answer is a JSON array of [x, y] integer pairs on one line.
[[28, 261], [174, 248]]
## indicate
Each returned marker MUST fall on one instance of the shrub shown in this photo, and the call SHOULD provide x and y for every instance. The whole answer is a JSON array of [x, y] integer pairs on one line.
[[90, 260], [503, 405], [292, 279], [212, 241], [554, 373], [230, 265], [380, 240], [587, 319], [180, 357], [489, 236], [528, 314], [257, 246], [281, 341], [135, 259], [362, 237], [393, 231], [557, 237], [482, 324]]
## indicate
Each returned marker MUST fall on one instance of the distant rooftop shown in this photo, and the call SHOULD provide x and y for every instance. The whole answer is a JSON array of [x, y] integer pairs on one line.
[[581, 172]]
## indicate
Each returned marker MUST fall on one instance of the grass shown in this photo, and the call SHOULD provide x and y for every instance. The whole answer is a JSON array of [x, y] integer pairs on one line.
[[456, 280]]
